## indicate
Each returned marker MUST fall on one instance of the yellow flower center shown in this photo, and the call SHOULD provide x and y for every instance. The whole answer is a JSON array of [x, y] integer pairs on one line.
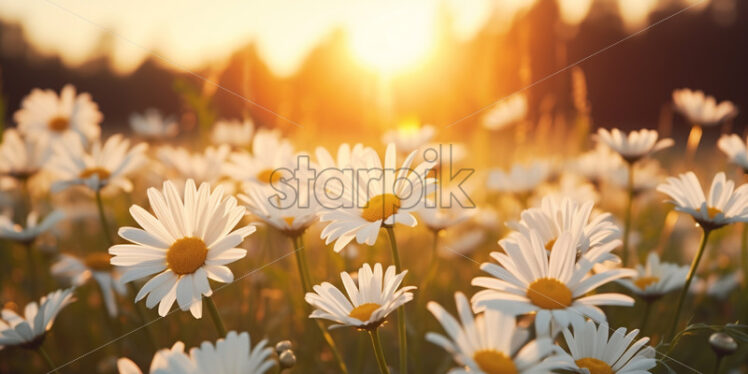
[[59, 124], [712, 212], [494, 362], [363, 312], [549, 293], [102, 173], [549, 244], [289, 221], [186, 255], [269, 176], [594, 365], [381, 207], [643, 282], [98, 261]]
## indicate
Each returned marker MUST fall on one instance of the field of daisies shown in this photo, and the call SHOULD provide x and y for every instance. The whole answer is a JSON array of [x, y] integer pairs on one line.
[[524, 248]]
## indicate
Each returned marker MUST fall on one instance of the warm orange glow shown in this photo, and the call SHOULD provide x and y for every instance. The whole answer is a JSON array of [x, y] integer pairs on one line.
[[395, 39]]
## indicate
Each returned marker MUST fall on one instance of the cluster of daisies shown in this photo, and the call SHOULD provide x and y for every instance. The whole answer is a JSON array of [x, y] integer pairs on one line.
[[539, 304]]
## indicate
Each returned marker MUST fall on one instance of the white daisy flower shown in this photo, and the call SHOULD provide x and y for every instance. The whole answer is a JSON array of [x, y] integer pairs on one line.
[[702, 110], [165, 361], [656, 278], [520, 179], [201, 167], [235, 133], [594, 349], [105, 165], [409, 136], [634, 146], [188, 241], [725, 204], [506, 112], [94, 265], [29, 331], [347, 156], [368, 304], [23, 156], [554, 217], [152, 125], [270, 152], [597, 164], [43, 111], [34, 228], [266, 204], [647, 176], [233, 355], [377, 196], [491, 342], [330, 171], [566, 186], [527, 280], [735, 149], [437, 218]]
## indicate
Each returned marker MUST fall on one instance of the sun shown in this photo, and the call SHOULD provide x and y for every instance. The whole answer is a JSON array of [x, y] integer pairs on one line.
[[393, 39]]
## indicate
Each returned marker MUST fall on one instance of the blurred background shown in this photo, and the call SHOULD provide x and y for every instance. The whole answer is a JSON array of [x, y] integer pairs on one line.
[[359, 67]]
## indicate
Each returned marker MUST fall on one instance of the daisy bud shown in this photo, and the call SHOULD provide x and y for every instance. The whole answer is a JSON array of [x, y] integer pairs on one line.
[[284, 345], [723, 344], [287, 359]]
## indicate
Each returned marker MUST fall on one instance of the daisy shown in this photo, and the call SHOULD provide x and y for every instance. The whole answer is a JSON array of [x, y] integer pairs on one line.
[[507, 112], [28, 331], [233, 355], [593, 349], [368, 304], [409, 136], [234, 133], [655, 279], [377, 197], [201, 167], [152, 125], [735, 149], [725, 204], [95, 265], [23, 156], [265, 203], [491, 342], [597, 164], [437, 218], [702, 110], [187, 241], [43, 111], [634, 146], [647, 176], [165, 361], [330, 172], [34, 228], [105, 165], [521, 179], [556, 216], [270, 152], [527, 280]]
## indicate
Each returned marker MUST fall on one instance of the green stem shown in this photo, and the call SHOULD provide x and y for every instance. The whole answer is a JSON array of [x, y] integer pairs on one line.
[[48, 360], [102, 217], [306, 284], [645, 316], [401, 330], [217, 321], [377, 344], [627, 217], [689, 278], [718, 364]]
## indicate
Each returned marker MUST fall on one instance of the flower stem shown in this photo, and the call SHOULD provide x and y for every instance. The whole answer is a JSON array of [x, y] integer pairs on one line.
[[102, 218], [377, 344], [627, 217], [401, 330], [217, 321], [645, 316], [306, 284], [689, 278], [47, 359]]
